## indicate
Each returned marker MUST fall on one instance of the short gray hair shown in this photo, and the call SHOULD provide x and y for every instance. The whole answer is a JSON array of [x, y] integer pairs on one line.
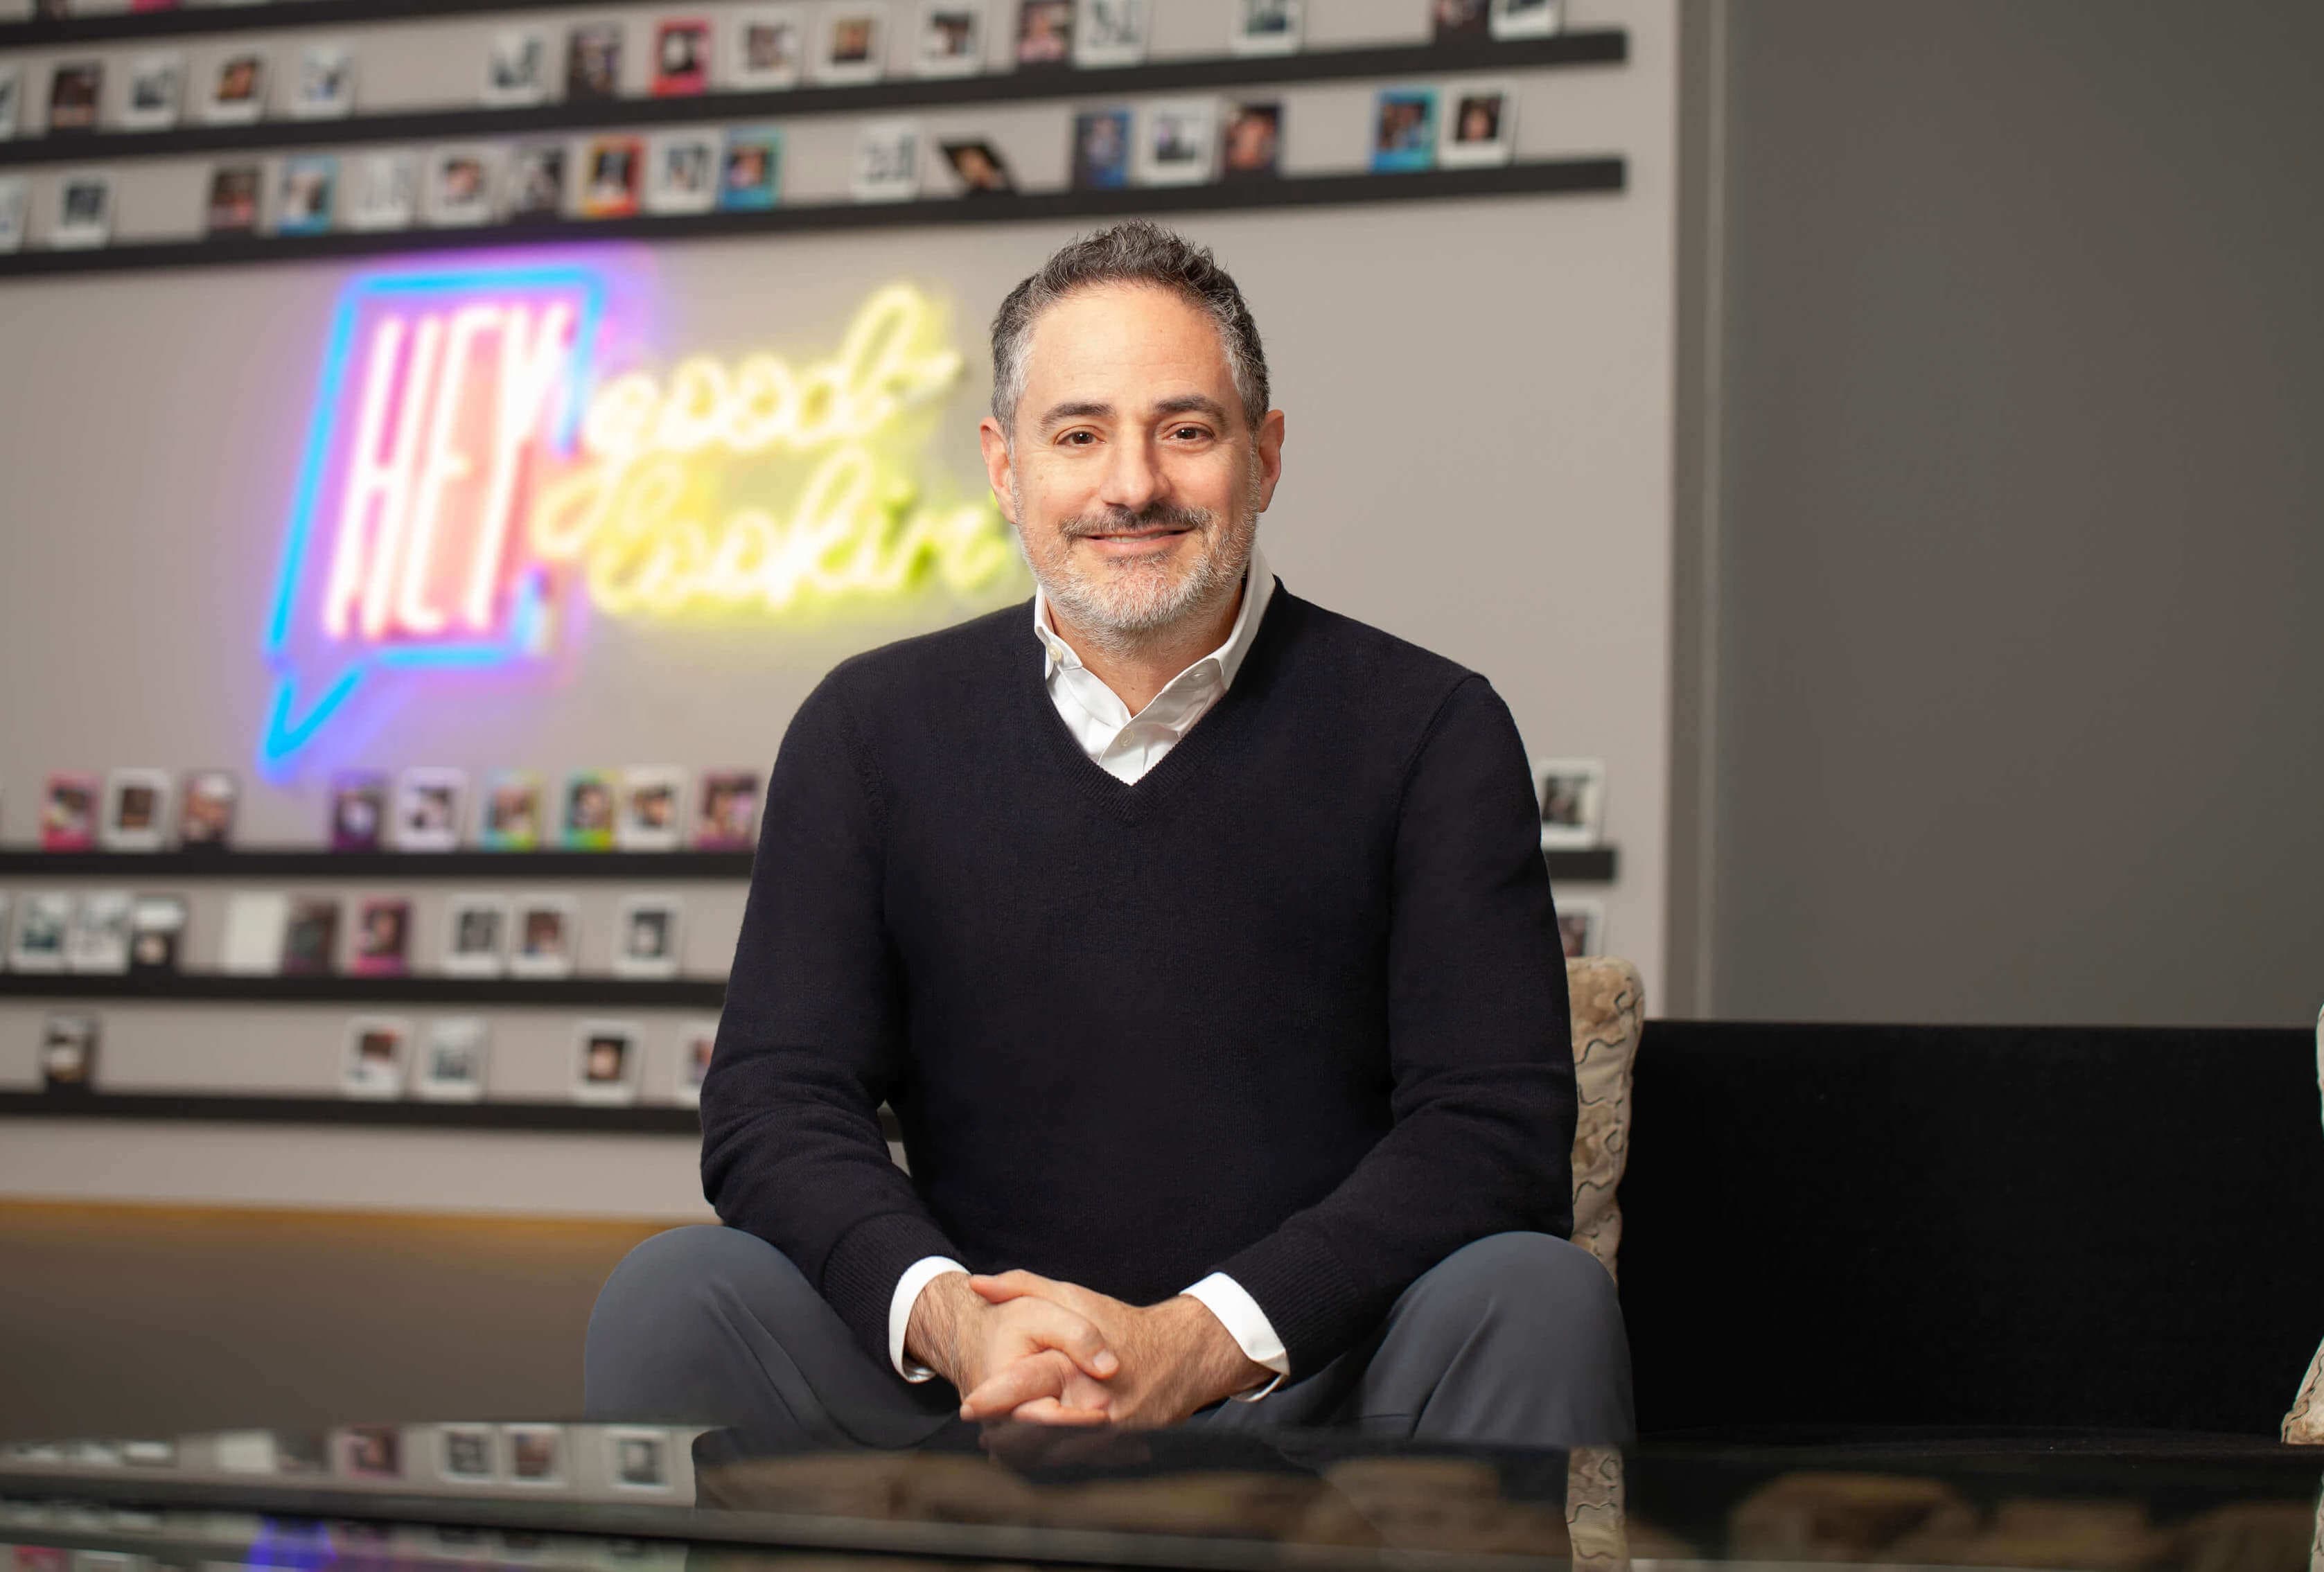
[[1137, 252]]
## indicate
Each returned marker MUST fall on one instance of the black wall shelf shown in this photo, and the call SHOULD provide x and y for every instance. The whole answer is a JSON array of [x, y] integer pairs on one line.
[[382, 993], [645, 1119], [1609, 46], [1549, 177]]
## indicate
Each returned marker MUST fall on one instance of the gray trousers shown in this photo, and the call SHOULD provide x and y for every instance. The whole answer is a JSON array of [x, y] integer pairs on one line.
[[1515, 1339]]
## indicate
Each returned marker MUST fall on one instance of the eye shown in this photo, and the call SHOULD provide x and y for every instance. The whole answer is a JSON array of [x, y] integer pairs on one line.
[[1070, 435], [1197, 432]]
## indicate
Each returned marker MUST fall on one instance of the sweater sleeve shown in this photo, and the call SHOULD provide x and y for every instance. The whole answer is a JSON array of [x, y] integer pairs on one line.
[[810, 1043], [1479, 1047]]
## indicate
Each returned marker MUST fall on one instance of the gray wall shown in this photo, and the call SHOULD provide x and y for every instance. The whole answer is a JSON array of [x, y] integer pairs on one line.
[[2016, 663]]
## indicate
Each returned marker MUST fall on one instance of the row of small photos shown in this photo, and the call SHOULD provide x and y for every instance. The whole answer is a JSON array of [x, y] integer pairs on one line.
[[387, 1057], [421, 809], [270, 934]]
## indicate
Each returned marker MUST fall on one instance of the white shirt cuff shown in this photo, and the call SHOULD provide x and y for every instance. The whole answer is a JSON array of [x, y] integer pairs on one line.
[[917, 1276], [1247, 1324]]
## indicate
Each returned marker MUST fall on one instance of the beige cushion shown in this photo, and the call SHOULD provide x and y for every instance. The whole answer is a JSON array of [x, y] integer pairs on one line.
[[2304, 1425], [1609, 1006]]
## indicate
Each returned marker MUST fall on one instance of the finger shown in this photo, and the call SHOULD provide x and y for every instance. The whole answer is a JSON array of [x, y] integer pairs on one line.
[[1048, 1410], [1055, 1327], [1020, 1381], [1001, 1287]]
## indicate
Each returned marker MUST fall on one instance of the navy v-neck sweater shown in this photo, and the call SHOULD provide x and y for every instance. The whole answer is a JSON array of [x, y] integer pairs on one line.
[[1291, 1005]]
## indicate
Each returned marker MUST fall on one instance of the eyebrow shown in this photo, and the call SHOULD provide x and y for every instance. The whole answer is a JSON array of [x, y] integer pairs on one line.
[[1088, 410]]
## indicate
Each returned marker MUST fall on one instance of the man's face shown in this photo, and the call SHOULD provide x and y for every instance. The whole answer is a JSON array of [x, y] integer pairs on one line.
[[1135, 479]]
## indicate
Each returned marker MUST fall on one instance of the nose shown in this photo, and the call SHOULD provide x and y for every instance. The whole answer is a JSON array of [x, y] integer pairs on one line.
[[1132, 480]]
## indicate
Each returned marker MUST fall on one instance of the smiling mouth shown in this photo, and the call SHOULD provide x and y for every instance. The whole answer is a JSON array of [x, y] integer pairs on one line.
[[1140, 534]]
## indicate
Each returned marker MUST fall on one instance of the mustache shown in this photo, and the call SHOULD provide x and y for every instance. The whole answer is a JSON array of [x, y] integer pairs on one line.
[[1122, 520]]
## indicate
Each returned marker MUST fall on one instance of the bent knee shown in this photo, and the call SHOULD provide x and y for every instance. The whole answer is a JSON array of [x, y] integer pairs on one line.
[[683, 1272], [1534, 1276]]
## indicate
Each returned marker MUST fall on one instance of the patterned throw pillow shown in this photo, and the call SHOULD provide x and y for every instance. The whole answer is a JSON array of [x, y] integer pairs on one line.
[[2304, 1425], [1609, 1006]]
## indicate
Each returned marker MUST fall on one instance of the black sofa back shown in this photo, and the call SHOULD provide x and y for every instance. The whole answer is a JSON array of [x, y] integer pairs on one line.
[[1830, 1230]]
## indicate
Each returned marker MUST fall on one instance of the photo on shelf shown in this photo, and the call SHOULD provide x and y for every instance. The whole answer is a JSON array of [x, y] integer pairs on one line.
[[978, 166], [367, 1452], [1527, 18], [952, 38], [12, 99], [1403, 130], [234, 200], [852, 43], [888, 161], [535, 1454], [157, 92], [727, 812], [696, 1041], [682, 175], [476, 935], [592, 797], [311, 936], [1581, 927], [383, 946], [544, 936], [452, 1065], [75, 90], [1265, 27], [303, 199], [752, 178], [7, 933], [99, 939], [1251, 147], [510, 816], [379, 1052], [69, 809], [84, 213], [1101, 149], [15, 207], [604, 1071], [428, 802], [611, 171], [766, 46], [1178, 144], [383, 189], [42, 924], [206, 806], [536, 182], [68, 1054], [1459, 21], [637, 1459], [324, 87], [1572, 797], [237, 91], [466, 1454], [252, 945], [1111, 33], [359, 819], [681, 57], [652, 810], [460, 185], [157, 931], [137, 811], [1480, 127], [516, 67], [649, 936], [1045, 34], [593, 61]]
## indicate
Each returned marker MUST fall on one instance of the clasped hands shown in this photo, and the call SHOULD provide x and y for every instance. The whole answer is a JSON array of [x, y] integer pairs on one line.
[[1023, 1347]]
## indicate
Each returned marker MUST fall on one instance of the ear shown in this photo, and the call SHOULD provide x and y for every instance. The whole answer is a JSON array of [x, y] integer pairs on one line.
[[999, 467], [1268, 446]]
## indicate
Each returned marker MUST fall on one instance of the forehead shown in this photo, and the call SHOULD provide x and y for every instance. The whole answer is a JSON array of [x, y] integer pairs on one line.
[[1126, 337]]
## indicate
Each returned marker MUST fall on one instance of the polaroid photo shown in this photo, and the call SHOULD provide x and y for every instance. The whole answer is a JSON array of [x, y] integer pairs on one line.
[[452, 1062], [516, 67], [508, 814], [1572, 797], [69, 1054], [311, 936], [1266, 27], [383, 189], [1481, 126], [237, 91], [535, 1454], [1251, 146], [1403, 130], [649, 936], [76, 89], [325, 86], [682, 174], [852, 42], [99, 939], [1581, 927], [726, 814], [15, 209], [696, 1042], [977, 165], [367, 1452], [1111, 33], [1178, 144], [1045, 34], [382, 938], [612, 169], [681, 57], [766, 47], [205, 807], [460, 185], [234, 200], [605, 1062], [378, 1056], [12, 99], [652, 810], [534, 190], [255, 920], [476, 935], [302, 202], [428, 802], [1459, 21], [157, 92], [888, 161], [750, 179], [952, 38], [4, 928], [157, 931], [544, 935], [1526, 18], [638, 1459], [84, 212], [69, 812], [593, 60], [136, 810], [467, 1454], [1102, 140], [43, 927], [592, 798], [358, 820]]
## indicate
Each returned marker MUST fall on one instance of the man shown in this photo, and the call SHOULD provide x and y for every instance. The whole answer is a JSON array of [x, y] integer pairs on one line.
[[1200, 940]]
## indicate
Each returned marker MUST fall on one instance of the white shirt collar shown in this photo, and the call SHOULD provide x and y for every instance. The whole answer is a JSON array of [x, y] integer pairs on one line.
[[1258, 589]]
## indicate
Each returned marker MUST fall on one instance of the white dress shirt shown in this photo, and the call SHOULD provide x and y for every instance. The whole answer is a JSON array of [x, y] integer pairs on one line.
[[1126, 746]]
